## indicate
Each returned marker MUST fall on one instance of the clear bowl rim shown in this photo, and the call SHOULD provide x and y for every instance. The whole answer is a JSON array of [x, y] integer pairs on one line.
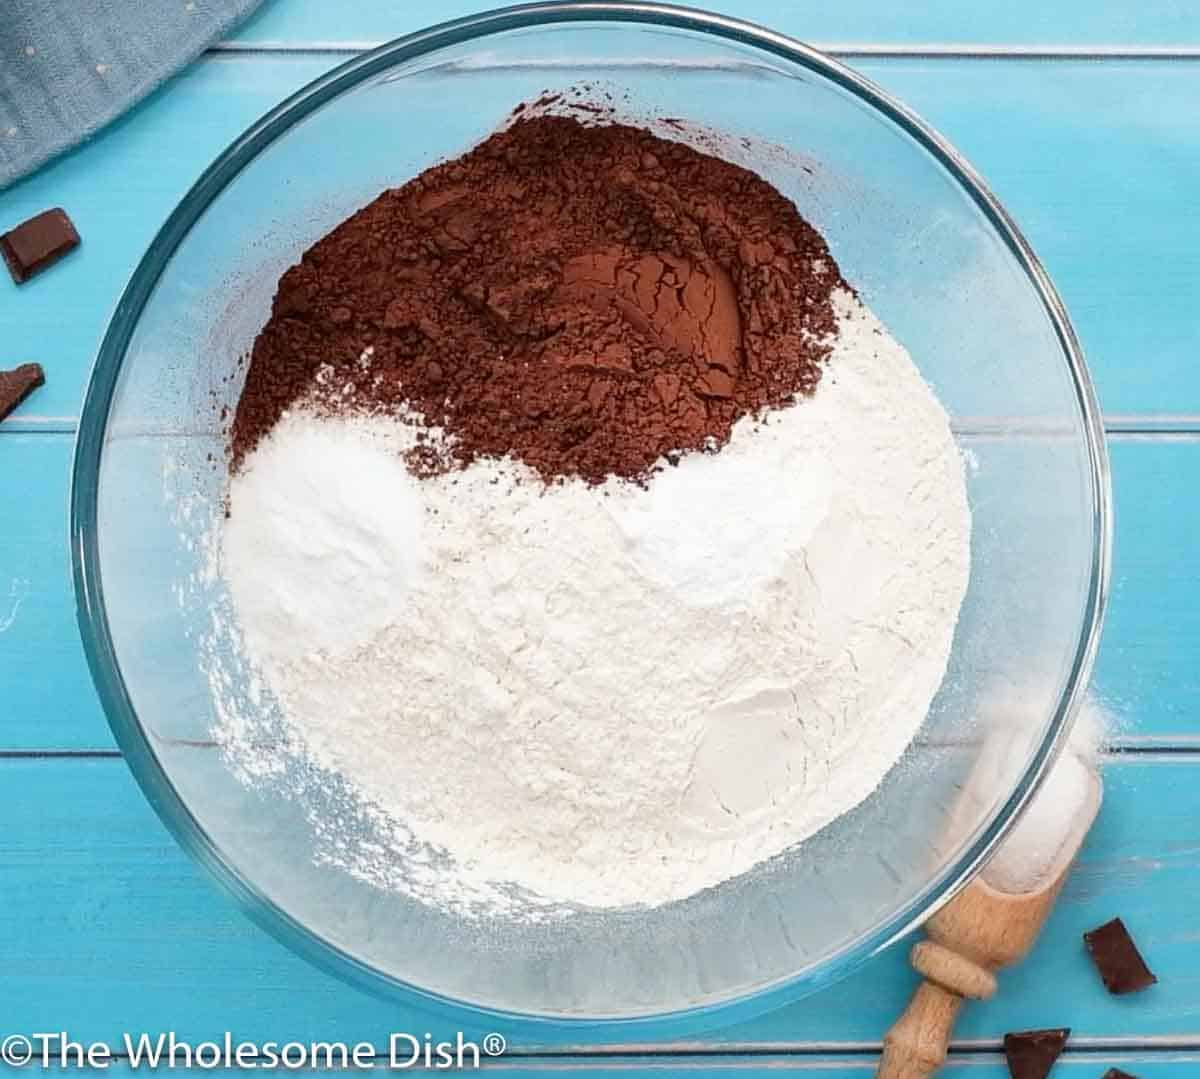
[[132, 737]]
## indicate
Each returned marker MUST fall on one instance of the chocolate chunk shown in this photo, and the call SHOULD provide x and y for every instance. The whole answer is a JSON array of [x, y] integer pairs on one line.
[[37, 243], [1116, 1073], [1116, 957], [1032, 1053], [18, 384]]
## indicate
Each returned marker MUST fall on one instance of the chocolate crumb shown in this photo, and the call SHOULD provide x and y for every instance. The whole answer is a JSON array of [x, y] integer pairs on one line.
[[17, 384], [1032, 1053], [1117, 958], [1116, 1073]]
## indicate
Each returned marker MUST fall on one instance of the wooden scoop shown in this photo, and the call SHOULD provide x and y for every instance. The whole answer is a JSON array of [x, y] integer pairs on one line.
[[974, 935]]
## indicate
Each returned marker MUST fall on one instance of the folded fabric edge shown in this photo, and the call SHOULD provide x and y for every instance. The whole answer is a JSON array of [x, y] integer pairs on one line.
[[22, 168]]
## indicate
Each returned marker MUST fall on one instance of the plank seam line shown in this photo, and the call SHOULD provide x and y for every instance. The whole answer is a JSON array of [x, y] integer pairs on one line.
[[1119, 425], [39, 425], [918, 50], [968, 1049], [852, 1051], [1150, 748], [59, 754]]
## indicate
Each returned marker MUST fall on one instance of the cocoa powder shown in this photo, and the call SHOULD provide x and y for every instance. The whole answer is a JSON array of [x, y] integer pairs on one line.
[[588, 298]]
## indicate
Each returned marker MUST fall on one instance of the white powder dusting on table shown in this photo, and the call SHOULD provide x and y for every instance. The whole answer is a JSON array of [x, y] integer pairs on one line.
[[604, 695]]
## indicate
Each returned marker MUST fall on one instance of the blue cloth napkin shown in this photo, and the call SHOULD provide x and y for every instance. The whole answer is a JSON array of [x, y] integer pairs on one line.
[[68, 67]]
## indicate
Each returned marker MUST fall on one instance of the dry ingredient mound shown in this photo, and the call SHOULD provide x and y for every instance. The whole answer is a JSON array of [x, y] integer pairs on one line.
[[548, 669], [588, 300], [604, 694]]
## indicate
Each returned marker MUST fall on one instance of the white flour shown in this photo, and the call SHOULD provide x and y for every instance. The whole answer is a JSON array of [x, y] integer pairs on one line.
[[1052, 820], [612, 695]]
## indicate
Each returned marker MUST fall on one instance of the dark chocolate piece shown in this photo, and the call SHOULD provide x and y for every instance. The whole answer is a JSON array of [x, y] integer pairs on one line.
[[37, 243], [18, 384], [1116, 957], [1116, 1073], [1032, 1053]]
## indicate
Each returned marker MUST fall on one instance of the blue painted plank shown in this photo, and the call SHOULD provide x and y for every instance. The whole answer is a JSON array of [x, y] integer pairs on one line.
[[45, 687], [1099, 162], [111, 928], [1146, 670], [1078, 23]]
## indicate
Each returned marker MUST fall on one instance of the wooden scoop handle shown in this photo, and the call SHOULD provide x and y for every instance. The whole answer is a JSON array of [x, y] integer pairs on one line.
[[917, 1043], [970, 938], [974, 935]]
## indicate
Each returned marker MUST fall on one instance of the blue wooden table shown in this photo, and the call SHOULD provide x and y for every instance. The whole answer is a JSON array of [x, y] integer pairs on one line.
[[1085, 118]]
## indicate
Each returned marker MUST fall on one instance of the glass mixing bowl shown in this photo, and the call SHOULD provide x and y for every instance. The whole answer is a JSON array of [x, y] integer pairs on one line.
[[929, 248]]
